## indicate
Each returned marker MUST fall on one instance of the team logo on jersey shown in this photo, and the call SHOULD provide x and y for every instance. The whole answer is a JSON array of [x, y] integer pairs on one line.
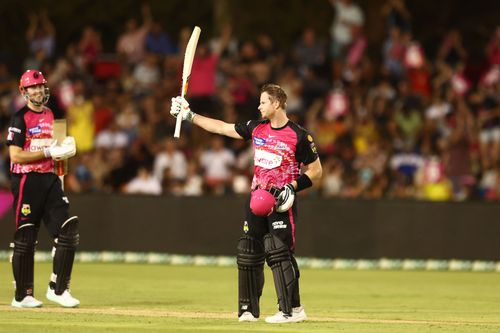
[[311, 144], [245, 227], [259, 141], [35, 130], [26, 209]]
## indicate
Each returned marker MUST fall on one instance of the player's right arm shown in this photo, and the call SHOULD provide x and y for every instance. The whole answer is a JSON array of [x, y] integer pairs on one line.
[[216, 126], [181, 106], [15, 140], [20, 156]]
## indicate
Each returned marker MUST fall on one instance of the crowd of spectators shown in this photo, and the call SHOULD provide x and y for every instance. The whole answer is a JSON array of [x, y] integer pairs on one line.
[[409, 126]]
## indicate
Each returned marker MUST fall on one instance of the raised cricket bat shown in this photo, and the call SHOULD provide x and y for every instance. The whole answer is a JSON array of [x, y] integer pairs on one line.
[[186, 72], [60, 132]]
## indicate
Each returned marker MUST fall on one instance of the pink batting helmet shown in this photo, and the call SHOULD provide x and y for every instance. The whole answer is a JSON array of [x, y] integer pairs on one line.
[[262, 202], [31, 78]]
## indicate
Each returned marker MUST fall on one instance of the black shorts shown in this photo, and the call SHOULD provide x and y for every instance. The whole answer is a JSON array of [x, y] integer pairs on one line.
[[37, 197], [282, 225]]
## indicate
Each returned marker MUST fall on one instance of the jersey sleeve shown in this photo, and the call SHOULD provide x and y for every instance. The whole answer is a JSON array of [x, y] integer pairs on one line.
[[306, 152], [16, 133], [246, 129]]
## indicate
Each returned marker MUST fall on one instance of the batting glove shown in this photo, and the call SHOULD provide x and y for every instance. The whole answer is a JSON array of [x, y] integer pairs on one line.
[[66, 150], [180, 105], [285, 197]]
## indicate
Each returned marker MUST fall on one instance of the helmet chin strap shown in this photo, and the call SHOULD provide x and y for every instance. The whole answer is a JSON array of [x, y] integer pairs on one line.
[[36, 103]]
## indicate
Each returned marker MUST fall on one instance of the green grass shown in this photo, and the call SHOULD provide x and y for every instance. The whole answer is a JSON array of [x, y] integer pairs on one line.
[[162, 298]]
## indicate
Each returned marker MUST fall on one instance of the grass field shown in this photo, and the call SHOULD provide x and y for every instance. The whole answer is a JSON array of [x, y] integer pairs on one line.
[[164, 298]]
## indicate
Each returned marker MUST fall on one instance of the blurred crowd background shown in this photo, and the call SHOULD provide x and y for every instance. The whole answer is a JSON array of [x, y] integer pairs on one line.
[[392, 117]]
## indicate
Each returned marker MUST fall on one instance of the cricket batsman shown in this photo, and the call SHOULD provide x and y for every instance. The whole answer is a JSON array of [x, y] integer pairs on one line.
[[281, 149], [38, 195]]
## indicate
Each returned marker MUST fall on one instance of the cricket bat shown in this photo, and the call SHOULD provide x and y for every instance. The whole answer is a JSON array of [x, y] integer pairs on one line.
[[60, 132], [186, 72]]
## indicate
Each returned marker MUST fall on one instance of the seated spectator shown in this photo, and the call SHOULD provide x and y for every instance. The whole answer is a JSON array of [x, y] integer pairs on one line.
[[143, 183], [112, 137], [432, 182], [217, 163], [146, 75], [171, 158]]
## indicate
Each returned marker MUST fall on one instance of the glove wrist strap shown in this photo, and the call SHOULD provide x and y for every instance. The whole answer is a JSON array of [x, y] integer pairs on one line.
[[303, 182], [190, 116]]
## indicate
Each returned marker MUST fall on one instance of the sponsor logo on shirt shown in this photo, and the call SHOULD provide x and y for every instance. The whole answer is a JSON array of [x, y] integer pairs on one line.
[[279, 225], [267, 160], [39, 144], [35, 130], [259, 141]]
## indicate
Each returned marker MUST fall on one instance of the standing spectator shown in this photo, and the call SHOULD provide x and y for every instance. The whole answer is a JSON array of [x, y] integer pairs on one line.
[[41, 34], [308, 52], [452, 50], [158, 42], [202, 83], [393, 51], [493, 48], [81, 118], [458, 160], [89, 47], [131, 43], [396, 15], [348, 16]]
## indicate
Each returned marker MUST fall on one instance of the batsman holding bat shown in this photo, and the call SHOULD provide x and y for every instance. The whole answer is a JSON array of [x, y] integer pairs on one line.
[[38, 195], [281, 147]]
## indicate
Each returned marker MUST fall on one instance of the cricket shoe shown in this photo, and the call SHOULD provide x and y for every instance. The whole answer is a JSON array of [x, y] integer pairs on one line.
[[64, 300], [247, 316], [27, 302], [298, 315]]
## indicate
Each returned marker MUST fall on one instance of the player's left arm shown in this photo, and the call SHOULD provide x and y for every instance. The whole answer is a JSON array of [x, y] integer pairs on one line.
[[313, 171], [307, 155]]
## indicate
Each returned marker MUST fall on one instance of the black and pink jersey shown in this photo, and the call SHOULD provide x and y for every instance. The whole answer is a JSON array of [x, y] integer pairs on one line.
[[278, 152], [32, 131]]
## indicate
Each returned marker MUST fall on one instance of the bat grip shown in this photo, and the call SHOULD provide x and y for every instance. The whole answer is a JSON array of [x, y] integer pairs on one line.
[[178, 120]]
